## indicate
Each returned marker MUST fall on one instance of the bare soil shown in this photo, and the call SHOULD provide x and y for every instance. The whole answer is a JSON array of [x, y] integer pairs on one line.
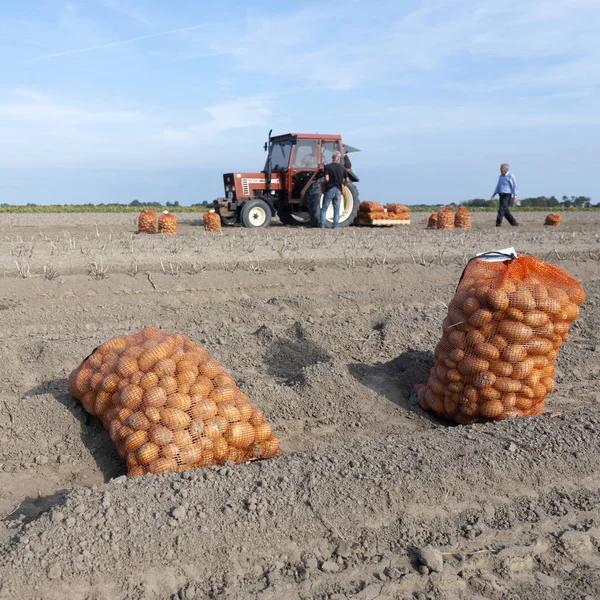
[[327, 333]]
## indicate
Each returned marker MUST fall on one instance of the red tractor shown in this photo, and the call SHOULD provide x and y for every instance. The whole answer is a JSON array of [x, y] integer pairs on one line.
[[290, 185]]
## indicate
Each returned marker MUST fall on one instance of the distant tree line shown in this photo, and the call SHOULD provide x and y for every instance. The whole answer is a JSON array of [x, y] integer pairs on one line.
[[540, 201]]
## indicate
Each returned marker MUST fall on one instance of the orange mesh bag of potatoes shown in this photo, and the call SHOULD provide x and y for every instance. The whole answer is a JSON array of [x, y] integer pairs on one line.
[[397, 208], [167, 223], [147, 222], [462, 219], [169, 405], [501, 335], [445, 219], [212, 221], [368, 206], [432, 221], [553, 219]]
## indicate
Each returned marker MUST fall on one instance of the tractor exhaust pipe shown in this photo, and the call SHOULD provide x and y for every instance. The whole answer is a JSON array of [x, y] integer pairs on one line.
[[269, 165]]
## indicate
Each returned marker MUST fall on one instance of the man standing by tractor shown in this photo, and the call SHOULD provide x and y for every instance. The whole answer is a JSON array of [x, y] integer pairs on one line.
[[335, 177], [506, 189]]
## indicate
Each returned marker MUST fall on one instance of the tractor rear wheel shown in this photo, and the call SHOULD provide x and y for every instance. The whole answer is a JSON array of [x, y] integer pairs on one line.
[[348, 208], [289, 217], [255, 214]]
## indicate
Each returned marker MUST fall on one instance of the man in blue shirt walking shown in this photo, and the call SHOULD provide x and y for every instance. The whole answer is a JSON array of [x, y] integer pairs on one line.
[[507, 192]]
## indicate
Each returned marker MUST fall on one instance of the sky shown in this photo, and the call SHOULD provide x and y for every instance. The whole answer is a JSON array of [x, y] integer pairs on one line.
[[116, 100]]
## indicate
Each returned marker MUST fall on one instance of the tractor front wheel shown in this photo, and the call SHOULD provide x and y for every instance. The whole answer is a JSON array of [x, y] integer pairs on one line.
[[255, 214]]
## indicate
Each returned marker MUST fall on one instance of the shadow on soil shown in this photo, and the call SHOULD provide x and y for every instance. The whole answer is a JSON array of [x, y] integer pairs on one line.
[[93, 434], [395, 379], [288, 357], [32, 507]]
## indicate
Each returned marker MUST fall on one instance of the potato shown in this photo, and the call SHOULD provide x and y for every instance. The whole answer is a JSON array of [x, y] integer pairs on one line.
[[168, 383], [470, 305], [457, 339], [523, 403], [95, 360], [506, 384], [203, 385], [474, 338], [455, 387], [153, 414], [215, 427], [488, 393], [136, 471], [95, 381], [487, 351], [501, 368], [539, 390], [453, 375], [512, 330], [522, 300], [138, 420], [202, 409], [246, 409], [240, 435], [535, 318], [514, 314], [224, 393], [514, 353], [161, 435], [538, 346], [149, 380], [102, 403], [522, 369], [548, 305], [147, 453], [229, 410], [456, 355], [174, 418], [191, 455], [572, 311], [164, 366], [131, 396], [220, 448], [154, 396], [211, 368], [493, 409], [480, 317], [467, 407], [163, 465], [135, 440], [127, 366], [169, 450], [484, 379], [548, 383], [187, 377], [183, 438], [436, 386], [509, 400], [498, 300], [180, 401], [472, 364]]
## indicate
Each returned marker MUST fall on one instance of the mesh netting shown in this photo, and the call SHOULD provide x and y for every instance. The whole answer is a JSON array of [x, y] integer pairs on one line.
[[553, 219], [212, 221], [169, 405], [445, 219], [370, 206], [397, 208], [432, 221], [167, 223], [462, 219], [147, 222], [503, 330]]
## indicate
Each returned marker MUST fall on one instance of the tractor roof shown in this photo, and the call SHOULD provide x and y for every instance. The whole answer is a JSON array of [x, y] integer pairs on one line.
[[327, 137]]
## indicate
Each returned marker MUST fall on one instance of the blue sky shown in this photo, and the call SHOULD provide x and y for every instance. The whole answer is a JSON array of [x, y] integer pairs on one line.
[[111, 100]]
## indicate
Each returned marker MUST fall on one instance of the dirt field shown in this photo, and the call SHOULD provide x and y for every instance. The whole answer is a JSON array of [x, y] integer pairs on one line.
[[326, 332]]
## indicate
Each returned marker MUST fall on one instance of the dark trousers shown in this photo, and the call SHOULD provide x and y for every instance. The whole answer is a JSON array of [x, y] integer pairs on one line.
[[504, 210]]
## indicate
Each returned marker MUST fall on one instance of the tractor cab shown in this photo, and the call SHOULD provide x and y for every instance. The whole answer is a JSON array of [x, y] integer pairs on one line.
[[290, 184]]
